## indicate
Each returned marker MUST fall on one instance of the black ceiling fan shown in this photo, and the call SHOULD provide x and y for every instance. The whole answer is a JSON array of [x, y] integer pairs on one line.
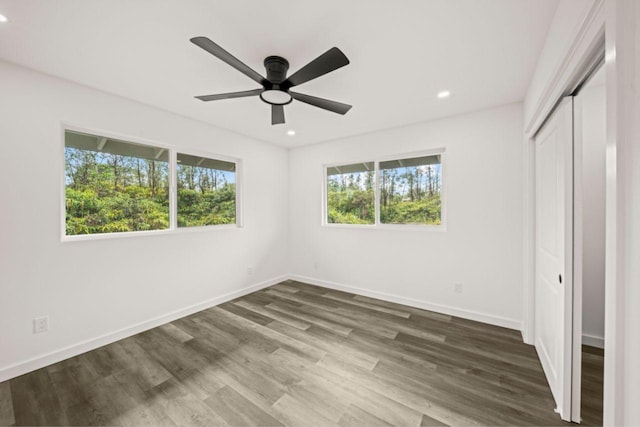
[[275, 87]]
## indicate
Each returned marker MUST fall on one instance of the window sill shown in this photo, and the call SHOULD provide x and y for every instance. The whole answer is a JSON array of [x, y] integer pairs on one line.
[[130, 234], [390, 227]]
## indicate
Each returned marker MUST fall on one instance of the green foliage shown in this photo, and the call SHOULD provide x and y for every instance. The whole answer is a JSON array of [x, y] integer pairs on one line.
[[350, 199], [129, 210], [212, 207], [423, 211]]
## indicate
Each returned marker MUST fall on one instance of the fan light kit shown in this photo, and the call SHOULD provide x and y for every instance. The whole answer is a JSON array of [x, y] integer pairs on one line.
[[275, 87], [3, 18]]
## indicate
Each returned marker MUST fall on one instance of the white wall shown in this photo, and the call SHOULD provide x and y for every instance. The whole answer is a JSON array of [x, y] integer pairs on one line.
[[569, 15], [482, 244], [93, 289], [592, 105]]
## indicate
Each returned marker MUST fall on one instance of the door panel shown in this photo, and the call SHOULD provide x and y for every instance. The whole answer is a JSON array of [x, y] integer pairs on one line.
[[554, 211]]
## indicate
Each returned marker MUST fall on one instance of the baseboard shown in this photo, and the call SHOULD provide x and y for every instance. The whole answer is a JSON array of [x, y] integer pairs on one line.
[[17, 369], [593, 341], [425, 305]]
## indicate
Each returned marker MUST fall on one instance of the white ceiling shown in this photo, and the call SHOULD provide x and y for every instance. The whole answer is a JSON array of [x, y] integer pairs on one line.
[[402, 53]]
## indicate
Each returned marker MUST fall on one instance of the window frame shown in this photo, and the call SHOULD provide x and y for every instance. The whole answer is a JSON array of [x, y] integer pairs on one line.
[[376, 162], [172, 151]]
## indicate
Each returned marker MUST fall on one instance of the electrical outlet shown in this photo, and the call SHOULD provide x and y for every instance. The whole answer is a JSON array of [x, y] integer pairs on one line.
[[457, 287], [249, 270], [40, 324]]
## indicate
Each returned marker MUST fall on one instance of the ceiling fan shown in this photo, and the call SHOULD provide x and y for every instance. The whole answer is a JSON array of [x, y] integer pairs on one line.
[[275, 87]]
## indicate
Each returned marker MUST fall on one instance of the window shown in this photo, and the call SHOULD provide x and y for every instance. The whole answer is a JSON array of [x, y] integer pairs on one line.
[[350, 194], [406, 191], [116, 186], [206, 191], [410, 191]]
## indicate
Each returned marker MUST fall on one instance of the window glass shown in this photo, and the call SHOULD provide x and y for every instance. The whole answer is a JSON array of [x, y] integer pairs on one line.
[[114, 186], [410, 191], [206, 191], [350, 194]]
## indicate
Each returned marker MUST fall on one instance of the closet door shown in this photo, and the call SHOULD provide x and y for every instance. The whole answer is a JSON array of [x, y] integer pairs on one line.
[[554, 249]]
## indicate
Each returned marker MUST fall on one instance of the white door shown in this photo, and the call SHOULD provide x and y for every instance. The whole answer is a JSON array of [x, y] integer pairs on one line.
[[554, 265]]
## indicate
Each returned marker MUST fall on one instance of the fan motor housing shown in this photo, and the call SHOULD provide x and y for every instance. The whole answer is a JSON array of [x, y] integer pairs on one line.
[[275, 93], [277, 68]]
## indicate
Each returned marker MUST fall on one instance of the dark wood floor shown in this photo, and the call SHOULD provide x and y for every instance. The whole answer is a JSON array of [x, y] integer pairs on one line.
[[592, 385], [294, 354]]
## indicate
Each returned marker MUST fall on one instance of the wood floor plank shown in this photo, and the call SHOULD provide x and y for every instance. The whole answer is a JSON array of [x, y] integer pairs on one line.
[[366, 305], [6, 405], [109, 402], [332, 407], [189, 411], [295, 412], [149, 407], [356, 417], [236, 410], [175, 332], [431, 315], [393, 412], [247, 314], [278, 339], [297, 354], [275, 315], [310, 315], [425, 399], [592, 385], [35, 401], [313, 289], [285, 287], [138, 363], [306, 299], [355, 357], [427, 421]]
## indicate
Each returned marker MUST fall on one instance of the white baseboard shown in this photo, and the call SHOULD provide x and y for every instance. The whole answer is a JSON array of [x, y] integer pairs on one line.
[[425, 305], [20, 368], [593, 341]]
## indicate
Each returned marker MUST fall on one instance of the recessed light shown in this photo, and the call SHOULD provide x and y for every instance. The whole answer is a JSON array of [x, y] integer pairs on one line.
[[444, 94], [3, 18], [291, 132]]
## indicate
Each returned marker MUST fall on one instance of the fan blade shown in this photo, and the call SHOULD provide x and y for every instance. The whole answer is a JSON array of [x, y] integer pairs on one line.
[[323, 64], [277, 114], [336, 107], [225, 56], [230, 95]]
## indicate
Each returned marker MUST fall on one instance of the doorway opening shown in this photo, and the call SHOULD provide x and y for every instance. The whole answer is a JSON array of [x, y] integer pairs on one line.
[[589, 242]]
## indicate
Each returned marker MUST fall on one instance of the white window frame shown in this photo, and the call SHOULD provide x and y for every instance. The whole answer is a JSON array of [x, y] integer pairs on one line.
[[173, 185], [377, 224]]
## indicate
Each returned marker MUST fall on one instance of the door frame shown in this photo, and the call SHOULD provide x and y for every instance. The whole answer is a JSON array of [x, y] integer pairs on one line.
[[603, 28]]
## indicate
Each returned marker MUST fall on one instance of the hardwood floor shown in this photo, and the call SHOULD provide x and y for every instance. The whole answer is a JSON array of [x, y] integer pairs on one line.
[[592, 385], [294, 354]]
